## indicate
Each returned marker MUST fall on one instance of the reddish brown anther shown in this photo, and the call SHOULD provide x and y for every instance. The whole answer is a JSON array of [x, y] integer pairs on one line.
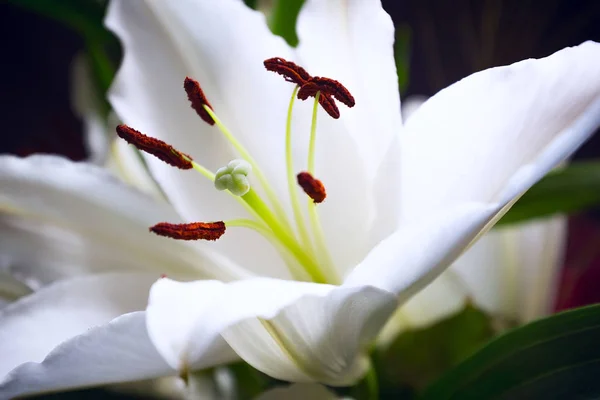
[[328, 86], [191, 231], [289, 70], [156, 147], [197, 99], [314, 188]]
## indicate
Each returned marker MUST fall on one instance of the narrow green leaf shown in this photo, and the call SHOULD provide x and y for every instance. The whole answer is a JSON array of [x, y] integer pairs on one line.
[[402, 50], [283, 19], [554, 358], [571, 189], [419, 356]]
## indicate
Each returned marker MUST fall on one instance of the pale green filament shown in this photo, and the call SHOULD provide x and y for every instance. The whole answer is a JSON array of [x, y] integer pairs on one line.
[[313, 136], [292, 186], [322, 251], [295, 267], [259, 206], [259, 174], [234, 177]]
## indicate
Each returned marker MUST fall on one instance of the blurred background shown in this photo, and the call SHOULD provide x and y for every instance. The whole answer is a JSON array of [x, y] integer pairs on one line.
[[437, 43]]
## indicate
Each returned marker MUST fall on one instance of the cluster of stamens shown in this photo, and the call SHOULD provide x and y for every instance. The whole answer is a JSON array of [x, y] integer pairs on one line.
[[310, 86], [274, 225]]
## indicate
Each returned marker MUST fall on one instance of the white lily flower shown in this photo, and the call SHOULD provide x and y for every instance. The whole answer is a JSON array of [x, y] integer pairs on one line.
[[402, 201]]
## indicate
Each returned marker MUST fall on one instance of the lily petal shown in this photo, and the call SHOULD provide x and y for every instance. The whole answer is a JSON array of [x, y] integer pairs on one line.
[[290, 330], [353, 42], [82, 216], [515, 122], [450, 198], [148, 95], [119, 351], [32, 326], [512, 271]]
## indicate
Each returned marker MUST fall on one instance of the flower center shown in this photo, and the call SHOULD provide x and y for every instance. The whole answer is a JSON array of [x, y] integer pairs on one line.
[[303, 247]]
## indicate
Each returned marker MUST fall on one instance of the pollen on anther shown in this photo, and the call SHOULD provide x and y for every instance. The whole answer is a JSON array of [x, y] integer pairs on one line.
[[326, 86], [191, 231], [314, 188], [156, 147], [197, 99], [289, 70]]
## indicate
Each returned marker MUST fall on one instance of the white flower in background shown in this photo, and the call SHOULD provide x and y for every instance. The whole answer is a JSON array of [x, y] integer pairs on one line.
[[402, 201]]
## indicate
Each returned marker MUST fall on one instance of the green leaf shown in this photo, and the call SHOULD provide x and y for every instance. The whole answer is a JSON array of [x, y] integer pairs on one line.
[[573, 188], [419, 356], [402, 49], [553, 358], [283, 19]]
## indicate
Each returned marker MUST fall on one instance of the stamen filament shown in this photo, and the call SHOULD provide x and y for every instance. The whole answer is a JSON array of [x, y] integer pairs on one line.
[[294, 266], [254, 200], [257, 171], [313, 136], [293, 190], [324, 257]]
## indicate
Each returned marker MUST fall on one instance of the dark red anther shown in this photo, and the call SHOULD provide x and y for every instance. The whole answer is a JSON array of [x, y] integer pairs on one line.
[[314, 188], [289, 70], [197, 99], [329, 86], [191, 231], [156, 147]]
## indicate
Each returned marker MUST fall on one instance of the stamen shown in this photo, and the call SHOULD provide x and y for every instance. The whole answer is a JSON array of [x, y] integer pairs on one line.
[[198, 99], [156, 147], [328, 86], [289, 70], [191, 231], [314, 188]]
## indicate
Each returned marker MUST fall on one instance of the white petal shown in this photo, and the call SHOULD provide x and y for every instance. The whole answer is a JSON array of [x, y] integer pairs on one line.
[[416, 253], [80, 215], [352, 42], [320, 329], [298, 391], [119, 351], [512, 271], [222, 45], [486, 153], [493, 134], [35, 324]]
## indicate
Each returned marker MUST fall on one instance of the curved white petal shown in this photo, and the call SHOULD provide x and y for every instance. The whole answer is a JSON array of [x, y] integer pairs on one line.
[[298, 391], [507, 123], [512, 271], [222, 45], [82, 217], [118, 351], [290, 330], [469, 152], [352, 41], [35, 324]]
